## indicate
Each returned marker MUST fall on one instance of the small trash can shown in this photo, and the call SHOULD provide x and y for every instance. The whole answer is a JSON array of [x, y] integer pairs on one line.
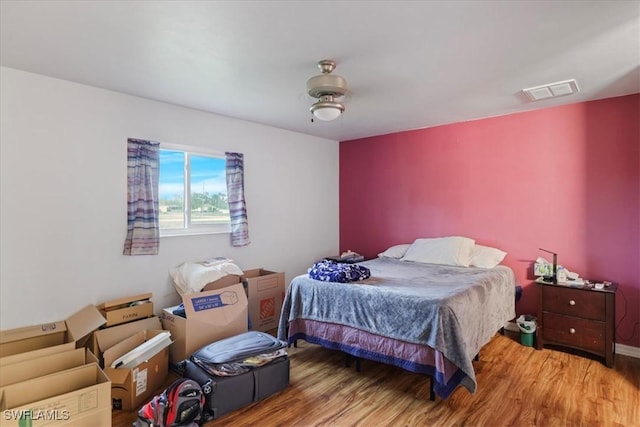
[[527, 325]]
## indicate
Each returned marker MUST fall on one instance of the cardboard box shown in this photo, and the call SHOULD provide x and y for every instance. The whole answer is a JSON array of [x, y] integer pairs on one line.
[[104, 339], [45, 365], [211, 316], [78, 396], [127, 309], [265, 292], [223, 282], [40, 340], [132, 387]]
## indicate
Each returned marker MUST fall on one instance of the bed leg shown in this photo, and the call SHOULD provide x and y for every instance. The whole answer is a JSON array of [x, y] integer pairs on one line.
[[432, 391], [347, 361]]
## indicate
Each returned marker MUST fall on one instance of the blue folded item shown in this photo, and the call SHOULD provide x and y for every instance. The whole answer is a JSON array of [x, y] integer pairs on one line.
[[331, 271], [179, 311]]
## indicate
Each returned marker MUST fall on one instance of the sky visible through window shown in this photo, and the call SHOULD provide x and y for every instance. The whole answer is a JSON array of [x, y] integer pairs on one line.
[[207, 174]]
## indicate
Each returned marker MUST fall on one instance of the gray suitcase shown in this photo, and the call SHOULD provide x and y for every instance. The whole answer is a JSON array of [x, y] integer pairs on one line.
[[225, 394]]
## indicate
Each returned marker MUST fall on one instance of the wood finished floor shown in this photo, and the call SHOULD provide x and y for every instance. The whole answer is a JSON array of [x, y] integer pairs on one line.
[[517, 386]]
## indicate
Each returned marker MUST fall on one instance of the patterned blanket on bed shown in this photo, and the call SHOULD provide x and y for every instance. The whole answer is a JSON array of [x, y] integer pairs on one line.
[[332, 271]]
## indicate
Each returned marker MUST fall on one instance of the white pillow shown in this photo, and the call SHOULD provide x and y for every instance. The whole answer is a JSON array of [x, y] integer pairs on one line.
[[396, 251], [453, 250], [486, 257]]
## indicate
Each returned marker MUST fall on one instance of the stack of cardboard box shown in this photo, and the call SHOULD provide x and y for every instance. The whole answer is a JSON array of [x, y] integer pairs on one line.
[[46, 377], [62, 372]]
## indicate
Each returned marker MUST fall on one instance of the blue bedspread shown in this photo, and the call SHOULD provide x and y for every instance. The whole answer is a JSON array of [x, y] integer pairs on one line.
[[455, 310]]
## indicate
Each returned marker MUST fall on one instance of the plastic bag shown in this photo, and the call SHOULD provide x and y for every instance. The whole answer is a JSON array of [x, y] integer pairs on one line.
[[527, 324]]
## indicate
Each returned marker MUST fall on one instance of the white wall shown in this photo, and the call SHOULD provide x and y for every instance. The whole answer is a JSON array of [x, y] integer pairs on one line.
[[63, 188]]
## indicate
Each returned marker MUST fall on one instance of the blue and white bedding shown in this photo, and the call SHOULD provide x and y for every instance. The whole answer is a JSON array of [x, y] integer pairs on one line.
[[452, 310], [332, 271]]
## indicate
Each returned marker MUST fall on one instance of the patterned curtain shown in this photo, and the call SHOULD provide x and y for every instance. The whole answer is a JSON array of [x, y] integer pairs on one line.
[[143, 231], [235, 195]]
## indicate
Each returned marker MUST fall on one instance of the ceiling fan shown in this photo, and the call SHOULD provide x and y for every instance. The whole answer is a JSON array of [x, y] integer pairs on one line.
[[326, 87]]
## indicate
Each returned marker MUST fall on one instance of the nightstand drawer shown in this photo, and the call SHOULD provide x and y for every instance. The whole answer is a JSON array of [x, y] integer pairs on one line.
[[574, 332], [574, 302]]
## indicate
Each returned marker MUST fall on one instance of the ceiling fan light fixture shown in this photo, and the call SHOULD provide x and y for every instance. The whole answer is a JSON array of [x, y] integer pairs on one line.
[[326, 109], [325, 87]]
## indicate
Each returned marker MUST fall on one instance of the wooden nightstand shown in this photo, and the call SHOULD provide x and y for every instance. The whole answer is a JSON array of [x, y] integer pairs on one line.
[[579, 317]]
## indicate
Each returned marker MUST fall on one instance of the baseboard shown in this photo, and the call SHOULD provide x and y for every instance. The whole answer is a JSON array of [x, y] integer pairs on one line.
[[627, 350]]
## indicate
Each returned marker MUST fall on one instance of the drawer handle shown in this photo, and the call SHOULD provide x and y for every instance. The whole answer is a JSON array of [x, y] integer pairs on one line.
[[572, 331], [572, 302]]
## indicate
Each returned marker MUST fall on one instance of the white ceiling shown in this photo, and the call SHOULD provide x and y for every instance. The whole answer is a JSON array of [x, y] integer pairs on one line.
[[408, 64]]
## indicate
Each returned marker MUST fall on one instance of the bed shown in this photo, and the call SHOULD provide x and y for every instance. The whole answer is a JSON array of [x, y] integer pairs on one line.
[[426, 318]]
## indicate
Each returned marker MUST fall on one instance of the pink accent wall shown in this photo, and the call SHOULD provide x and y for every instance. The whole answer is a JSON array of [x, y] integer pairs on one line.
[[565, 179]]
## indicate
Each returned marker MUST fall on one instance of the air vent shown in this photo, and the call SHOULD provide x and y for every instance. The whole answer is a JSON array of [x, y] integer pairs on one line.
[[552, 90]]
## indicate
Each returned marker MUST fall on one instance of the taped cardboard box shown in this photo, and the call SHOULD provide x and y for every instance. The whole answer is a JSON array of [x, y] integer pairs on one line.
[[50, 338], [128, 309], [265, 292], [78, 396], [45, 365], [210, 316], [132, 387]]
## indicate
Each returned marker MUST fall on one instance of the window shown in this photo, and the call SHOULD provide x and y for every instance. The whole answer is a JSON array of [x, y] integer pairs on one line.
[[193, 192]]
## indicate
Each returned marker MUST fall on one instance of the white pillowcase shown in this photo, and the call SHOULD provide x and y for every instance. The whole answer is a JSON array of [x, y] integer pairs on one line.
[[486, 257], [396, 251], [453, 250]]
